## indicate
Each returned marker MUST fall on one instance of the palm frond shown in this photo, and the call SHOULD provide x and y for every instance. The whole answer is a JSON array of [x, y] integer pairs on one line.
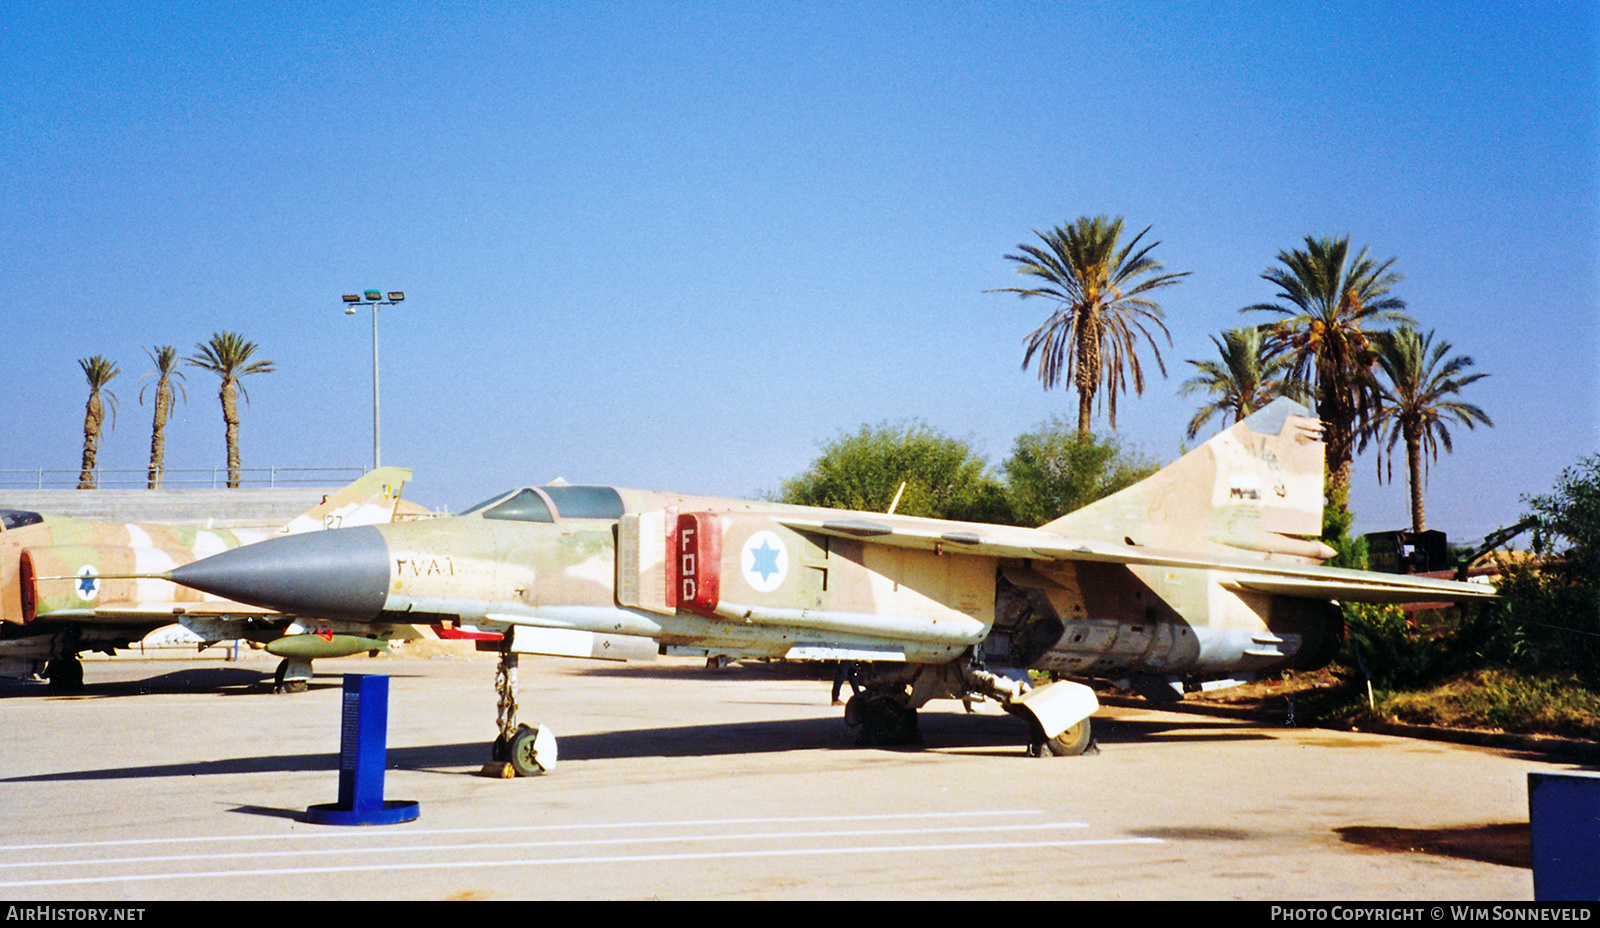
[[1102, 316]]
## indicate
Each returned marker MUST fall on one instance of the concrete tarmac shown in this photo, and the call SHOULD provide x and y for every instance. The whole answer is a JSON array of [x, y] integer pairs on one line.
[[163, 781]]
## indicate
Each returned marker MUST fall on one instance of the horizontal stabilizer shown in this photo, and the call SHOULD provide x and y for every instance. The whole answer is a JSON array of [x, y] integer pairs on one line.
[[1401, 590]]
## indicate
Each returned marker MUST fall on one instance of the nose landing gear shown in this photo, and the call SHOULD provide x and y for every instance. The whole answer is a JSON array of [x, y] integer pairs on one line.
[[519, 750]]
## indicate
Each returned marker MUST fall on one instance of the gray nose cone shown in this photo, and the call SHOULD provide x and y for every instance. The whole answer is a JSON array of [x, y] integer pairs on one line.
[[335, 574]]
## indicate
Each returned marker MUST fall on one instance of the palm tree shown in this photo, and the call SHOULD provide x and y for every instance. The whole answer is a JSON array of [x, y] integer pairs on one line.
[[228, 356], [98, 371], [1101, 309], [1250, 375], [165, 358], [1417, 404], [1330, 299]]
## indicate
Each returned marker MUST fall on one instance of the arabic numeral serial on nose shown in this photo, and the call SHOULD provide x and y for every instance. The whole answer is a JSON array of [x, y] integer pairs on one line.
[[425, 566]]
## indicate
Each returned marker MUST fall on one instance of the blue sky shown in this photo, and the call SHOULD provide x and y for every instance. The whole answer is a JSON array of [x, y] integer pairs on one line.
[[677, 246]]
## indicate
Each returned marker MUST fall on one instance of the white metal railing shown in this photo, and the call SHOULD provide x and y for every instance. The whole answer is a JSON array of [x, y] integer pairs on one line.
[[215, 478]]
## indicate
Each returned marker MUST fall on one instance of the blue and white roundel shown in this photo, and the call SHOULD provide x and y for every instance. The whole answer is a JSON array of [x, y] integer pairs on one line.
[[765, 561], [88, 582]]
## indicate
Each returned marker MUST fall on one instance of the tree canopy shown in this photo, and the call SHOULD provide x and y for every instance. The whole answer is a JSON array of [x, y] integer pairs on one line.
[[1569, 518], [1050, 472], [165, 359], [1418, 405], [944, 478], [1250, 375], [1548, 615], [1053, 471], [1330, 304], [97, 371], [1103, 309], [228, 355]]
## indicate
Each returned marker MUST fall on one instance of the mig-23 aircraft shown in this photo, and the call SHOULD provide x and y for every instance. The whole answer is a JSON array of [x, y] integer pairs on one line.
[[63, 590], [1207, 570]]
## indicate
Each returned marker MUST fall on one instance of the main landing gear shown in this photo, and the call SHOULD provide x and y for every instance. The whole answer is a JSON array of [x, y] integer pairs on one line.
[[879, 719], [519, 750], [65, 671], [884, 713], [65, 674]]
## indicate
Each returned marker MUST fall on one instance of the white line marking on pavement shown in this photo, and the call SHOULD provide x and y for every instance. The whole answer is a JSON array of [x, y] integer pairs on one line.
[[342, 832], [632, 858], [571, 842]]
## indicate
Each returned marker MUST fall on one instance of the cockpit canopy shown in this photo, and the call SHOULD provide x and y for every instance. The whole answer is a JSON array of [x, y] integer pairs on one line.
[[547, 504], [17, 518]]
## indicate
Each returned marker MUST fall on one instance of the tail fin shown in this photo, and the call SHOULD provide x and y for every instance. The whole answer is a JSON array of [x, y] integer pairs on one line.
[[1256, 487], [371, 500]]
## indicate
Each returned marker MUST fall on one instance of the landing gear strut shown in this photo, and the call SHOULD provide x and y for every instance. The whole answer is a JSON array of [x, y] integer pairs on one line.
[[519, 750], [65, 675]]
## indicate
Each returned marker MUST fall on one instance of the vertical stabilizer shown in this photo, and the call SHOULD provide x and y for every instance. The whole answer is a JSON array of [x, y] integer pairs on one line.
[[1256, 487], [371, 500]]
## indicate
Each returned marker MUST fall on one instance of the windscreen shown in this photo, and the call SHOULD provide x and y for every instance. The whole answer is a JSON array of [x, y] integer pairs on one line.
[[493, 499]]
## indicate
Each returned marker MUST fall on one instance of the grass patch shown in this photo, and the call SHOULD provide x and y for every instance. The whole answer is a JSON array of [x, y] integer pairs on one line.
[[1488, 699], [1543, 704]]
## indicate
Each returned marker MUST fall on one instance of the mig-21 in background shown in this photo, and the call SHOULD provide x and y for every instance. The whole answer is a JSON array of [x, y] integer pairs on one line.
[[57, 600], [1210, 569]]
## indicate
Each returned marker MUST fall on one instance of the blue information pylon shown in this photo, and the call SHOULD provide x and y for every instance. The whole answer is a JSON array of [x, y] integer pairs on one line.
[[1564, 818], [363, 749]]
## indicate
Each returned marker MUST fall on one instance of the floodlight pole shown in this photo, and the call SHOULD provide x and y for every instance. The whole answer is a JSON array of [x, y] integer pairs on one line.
[[373, 298], [377, 446]]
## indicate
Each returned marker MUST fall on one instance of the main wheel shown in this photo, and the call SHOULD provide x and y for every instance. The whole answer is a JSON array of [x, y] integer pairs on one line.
[[879, 720], [1070, 743], [532, 751]]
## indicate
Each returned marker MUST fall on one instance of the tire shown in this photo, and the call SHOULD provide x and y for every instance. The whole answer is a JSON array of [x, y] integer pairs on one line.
[[880, 721], [532, 751], [1070, 743]]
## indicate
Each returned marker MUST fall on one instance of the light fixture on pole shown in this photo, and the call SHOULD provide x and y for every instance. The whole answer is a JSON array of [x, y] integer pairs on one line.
[[373, 298]]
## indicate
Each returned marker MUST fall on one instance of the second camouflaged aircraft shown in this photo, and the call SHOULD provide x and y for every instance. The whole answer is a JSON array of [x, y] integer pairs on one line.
[[1210, 569], [65, 587]]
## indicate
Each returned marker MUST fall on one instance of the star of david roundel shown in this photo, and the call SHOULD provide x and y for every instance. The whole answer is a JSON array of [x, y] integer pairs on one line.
[[765, 561], [88, 582]]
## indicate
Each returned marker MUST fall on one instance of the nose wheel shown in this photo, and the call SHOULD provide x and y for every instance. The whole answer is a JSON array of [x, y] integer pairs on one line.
[[293, 675], [531, 752]]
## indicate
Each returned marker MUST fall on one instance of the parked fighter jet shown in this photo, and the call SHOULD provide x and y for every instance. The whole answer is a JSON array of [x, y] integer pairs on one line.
[[1209, 569], [45, 623]]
